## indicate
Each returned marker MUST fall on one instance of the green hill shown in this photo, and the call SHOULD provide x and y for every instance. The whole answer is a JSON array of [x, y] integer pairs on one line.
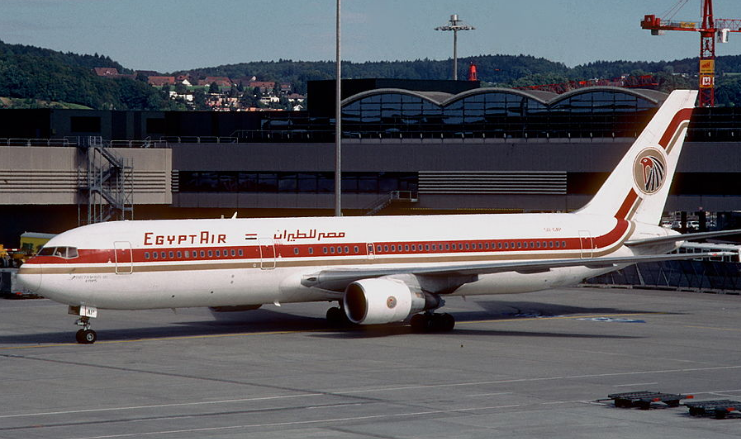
[[33, 77], [31, 73]]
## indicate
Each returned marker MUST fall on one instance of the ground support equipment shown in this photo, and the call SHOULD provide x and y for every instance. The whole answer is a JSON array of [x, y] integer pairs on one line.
[[720, 409], [644, 399]]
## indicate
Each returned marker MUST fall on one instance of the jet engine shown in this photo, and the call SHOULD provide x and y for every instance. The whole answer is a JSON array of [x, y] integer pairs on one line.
[[384, 300]]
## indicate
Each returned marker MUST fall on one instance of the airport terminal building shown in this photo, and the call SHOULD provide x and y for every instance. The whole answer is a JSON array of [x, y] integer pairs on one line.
[[409, 147]]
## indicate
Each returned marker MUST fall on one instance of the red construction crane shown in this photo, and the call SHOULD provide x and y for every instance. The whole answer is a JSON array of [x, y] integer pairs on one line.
[[709, 28]]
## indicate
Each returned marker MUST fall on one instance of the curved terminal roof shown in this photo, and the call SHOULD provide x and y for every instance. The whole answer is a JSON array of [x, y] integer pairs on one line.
[[543, 97]]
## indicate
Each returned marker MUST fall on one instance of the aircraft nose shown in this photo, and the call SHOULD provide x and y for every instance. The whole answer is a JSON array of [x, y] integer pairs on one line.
[[29, 277]]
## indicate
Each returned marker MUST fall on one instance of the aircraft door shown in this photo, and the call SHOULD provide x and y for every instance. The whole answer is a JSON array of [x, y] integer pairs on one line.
[[123, 257], [371, 251], [586, 242], [267, 253]]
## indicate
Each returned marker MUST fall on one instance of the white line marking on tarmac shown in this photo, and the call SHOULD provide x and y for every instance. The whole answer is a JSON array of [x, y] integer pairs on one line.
[[283, 424], [182, 404], [635, 384]]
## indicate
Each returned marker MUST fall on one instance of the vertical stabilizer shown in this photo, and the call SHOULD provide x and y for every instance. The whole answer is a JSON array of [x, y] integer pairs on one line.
[[638, 187]]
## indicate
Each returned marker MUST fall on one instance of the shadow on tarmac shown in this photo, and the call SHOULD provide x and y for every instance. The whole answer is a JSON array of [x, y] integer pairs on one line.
[[266, 321]]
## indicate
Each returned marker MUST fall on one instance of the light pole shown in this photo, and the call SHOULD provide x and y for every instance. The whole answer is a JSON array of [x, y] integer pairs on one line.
[[338, 124], [455, 25]]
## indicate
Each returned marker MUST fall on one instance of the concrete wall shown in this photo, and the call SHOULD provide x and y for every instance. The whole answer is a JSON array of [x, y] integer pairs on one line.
[[55, 175]]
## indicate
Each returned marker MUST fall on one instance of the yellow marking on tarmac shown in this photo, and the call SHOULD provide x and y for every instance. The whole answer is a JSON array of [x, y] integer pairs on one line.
[[301, 331]]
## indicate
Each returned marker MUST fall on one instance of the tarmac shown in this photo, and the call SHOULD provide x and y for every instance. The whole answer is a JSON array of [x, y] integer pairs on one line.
[[518, 366]]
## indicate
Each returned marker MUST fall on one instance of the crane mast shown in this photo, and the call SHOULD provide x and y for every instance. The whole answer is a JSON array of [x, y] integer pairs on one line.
[[709, 29]]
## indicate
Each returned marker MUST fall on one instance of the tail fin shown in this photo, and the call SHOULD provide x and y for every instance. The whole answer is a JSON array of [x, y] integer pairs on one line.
[[638, 187]]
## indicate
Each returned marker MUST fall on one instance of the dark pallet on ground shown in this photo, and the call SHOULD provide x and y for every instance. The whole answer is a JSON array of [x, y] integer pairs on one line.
[[720, 409], [644, 399]]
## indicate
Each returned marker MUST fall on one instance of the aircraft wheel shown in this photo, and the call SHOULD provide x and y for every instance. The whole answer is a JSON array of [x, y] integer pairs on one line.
[[419, 323], [86, 336], [447, 322], [336, 316]]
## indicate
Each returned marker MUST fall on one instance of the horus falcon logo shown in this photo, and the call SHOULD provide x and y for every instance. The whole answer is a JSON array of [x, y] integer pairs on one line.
[[649, 170]]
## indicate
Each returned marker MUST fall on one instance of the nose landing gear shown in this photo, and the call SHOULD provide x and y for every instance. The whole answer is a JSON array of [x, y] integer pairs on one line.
[[85, 335]]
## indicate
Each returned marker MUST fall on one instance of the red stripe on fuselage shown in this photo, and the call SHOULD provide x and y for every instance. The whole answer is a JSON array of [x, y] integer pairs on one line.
[[323, 251]]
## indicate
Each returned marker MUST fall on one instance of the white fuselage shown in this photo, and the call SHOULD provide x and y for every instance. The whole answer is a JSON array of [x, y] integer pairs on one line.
[[237, 262]]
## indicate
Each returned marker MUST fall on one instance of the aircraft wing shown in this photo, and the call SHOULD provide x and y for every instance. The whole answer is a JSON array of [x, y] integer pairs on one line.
[[338, 279], [685, 237]]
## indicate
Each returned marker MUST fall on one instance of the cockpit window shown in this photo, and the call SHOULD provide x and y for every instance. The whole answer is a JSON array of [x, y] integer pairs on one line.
[[60, 252]]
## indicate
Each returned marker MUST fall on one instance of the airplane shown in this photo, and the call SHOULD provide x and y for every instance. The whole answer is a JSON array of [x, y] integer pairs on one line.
[[380, 269]]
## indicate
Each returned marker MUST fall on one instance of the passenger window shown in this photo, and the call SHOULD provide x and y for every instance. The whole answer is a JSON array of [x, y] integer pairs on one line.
[[386, 248], [203, 254], [347, 249], [563, 244], [241, 253], [406, 247], [218, 253], [146, 255], [172, 255], [233, 253], [163, 255], [447, 246], [331, 250], [427, 247], [295, 250], [356, 249], [311, 250], [187, 254], [180, 255], [155, 255], [210, 253]]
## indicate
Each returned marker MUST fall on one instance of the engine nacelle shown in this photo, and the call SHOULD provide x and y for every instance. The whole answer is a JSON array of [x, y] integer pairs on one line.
[[384, 300]]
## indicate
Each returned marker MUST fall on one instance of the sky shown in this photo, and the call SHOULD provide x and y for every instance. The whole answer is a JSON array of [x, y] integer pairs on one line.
[[171, 35]]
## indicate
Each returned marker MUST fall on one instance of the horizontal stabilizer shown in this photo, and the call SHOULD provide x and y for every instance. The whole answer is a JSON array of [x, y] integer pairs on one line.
[[686, 237]]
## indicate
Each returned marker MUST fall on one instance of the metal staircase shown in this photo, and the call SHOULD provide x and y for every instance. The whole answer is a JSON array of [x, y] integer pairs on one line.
[[108, 186]]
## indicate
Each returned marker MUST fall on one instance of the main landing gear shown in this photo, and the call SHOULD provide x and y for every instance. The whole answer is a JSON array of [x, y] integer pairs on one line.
[[425, 322], [431, 322], [85, 335], [336, 317]]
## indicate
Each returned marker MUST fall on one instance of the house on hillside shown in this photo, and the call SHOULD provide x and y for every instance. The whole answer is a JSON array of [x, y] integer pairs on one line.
[[109, 72], [266, 87], [221, 81], [160, 81]]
